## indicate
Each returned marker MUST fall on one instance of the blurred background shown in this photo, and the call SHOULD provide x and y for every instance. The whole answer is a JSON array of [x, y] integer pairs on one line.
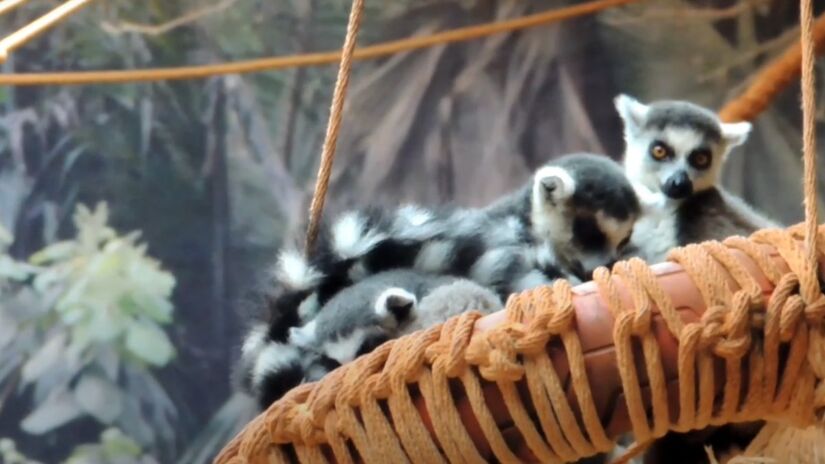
[[137, 219]]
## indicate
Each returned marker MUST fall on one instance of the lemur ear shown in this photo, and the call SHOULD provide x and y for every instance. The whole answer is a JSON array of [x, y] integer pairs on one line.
[[394, 306], [553, 184], [736, 133], [632, 111], [302, 336]]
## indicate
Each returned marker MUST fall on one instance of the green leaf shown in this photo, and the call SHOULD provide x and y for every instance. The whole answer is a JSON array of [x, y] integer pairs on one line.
[[13, 270], [148, 342], [44, 358], [5, 236], [59, 251], [99, 398], [116, 444], [155, 307], [58, 409]]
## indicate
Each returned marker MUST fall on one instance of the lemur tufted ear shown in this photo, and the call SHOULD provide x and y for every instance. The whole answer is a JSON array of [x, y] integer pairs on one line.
[[736, 133], [553, 184], [394, 306], [632, 111]]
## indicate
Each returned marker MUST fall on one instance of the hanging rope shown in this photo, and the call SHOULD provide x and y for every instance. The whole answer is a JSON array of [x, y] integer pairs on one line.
[[809, 132], [39, 26], [8, 5], [312, 59], [334, 125]]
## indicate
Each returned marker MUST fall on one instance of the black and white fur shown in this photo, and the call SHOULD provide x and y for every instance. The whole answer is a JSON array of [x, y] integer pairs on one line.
[[575, 214], [354, 322], [385, 306], [361, 317], [686, 203]]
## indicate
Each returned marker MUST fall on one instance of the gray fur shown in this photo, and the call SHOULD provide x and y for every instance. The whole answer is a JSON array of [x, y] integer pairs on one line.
[[451, 300], [350, 319], [674, 113]]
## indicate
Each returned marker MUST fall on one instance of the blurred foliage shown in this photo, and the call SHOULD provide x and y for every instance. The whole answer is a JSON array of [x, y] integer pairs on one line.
[[81, 331]]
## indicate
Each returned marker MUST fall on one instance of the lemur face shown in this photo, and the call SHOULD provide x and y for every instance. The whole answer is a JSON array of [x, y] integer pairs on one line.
[[676, 147], [585, 205]]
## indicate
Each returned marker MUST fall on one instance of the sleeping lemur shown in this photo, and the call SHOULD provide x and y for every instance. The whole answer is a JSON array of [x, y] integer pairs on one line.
[[355, 321], [576, 213], [674, 154], [361, 317]]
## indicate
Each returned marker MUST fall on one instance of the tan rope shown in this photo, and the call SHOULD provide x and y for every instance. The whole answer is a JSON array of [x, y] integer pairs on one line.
[[772, 79], [312, 59], [334, 125], [471, 385], [809, 129], [9, 5], [38, 26]]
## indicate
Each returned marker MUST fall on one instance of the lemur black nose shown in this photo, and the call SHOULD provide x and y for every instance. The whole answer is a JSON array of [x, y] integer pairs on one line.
[[678, 186]]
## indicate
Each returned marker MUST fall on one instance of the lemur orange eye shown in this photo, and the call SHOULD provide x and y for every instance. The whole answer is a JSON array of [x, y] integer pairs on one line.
[[659, 151], [700, 158]]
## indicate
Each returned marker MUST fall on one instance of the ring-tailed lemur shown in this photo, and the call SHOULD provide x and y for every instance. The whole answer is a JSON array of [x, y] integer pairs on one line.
[[354, 322], [674, 154], [576, 213]]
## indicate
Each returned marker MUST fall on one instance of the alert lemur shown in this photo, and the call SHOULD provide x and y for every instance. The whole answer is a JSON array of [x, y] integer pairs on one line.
[[674, 154], [575, 214]]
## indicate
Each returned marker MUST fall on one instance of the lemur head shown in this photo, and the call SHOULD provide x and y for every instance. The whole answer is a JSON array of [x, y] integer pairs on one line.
[[355, 321], [585, 206], [676, 147]]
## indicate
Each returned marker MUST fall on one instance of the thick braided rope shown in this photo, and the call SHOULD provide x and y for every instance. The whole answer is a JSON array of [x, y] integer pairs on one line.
[[38, 26], [809, 129], [811, 288], [334, 125], [522, 390], [312, 59]]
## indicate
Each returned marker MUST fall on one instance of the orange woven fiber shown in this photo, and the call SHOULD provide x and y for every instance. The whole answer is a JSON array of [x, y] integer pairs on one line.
[[727, 332]]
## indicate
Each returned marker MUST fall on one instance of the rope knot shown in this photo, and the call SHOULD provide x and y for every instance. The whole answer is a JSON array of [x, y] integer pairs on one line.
[[447, 354], [815, 312], [495, 353]]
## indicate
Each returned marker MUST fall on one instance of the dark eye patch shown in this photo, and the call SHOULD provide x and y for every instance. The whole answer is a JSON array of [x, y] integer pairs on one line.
[[700, 158], [587, 233]]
